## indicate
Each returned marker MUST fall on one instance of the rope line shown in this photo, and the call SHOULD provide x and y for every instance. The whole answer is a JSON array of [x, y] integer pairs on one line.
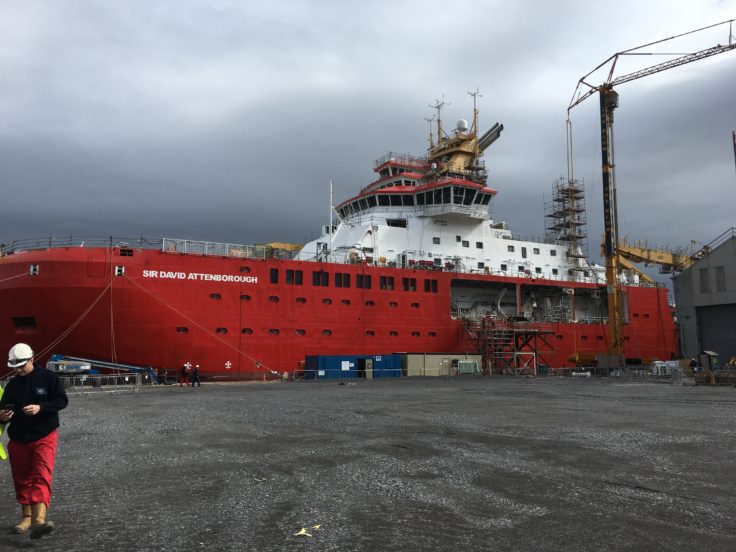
[[255, 361]]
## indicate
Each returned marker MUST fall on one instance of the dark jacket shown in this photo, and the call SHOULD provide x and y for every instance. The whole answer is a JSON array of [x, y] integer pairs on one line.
[[41, 387]]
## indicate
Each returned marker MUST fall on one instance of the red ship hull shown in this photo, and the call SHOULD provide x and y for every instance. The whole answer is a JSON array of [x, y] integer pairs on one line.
[[247, 318]]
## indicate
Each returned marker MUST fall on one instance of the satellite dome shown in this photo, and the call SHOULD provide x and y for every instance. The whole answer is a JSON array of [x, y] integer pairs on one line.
[[462, 125]]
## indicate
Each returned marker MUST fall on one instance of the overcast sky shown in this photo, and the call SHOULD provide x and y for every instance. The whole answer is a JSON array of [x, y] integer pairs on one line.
[[225, 120]]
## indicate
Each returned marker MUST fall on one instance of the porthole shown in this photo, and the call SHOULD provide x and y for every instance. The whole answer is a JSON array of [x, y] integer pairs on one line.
[[247, 331], [221, 330], [415, 334], [559, 337], [432, 334], [393, 304], [274, 331], [326, 301], [370, 303], [244, 297], [415, 305], [370, 333], [300, 332], [301, 300], [182, 330], [326, 332], [245, 269], [215, 296], [273, 299], [344, 301], [393, 333]]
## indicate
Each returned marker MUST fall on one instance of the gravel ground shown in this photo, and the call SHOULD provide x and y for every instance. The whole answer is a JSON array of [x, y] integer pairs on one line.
[[414, 464]]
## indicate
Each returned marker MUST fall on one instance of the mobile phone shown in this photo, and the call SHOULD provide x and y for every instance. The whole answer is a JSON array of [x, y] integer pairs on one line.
[[9, 407]]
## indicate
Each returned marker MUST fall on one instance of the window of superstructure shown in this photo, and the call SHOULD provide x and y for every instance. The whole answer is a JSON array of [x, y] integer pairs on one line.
[[466, 243], [435, 240], [479, 245], [535, 251], [182, 330], [363, 281], [523, 252], [481, 264], [438, 196], [458, 239], [486, 199], [538, 270], [215, 296], [420, 199], [554, 272], [396, 223], [371, 201], [521, 268], [384, 201], [511, 248], [407, 200], [437, 262], [430, 285], [458, 194], [363, 203], [469, 195], [703, 277], [720, 279], [553, 252], [446, 195], [504, 268], [320, 278], [395, 200], [274, 276]]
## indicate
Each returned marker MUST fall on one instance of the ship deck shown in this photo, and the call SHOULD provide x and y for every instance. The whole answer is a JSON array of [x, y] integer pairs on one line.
[[550, 464]]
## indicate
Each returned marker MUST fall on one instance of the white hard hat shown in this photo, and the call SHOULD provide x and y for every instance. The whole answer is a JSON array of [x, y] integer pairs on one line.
[[19, 354], [197, 365]]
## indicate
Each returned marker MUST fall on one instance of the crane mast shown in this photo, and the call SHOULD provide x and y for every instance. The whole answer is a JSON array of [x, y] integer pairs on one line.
[[608, 103]]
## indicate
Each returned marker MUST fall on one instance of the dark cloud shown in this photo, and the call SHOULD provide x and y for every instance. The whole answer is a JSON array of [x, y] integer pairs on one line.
[[225, 122]]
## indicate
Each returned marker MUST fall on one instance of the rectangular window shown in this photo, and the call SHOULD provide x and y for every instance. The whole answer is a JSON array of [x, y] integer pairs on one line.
[[553, 253], [481, 265], [298, 277], [536, 251], [704, 284], [504, 267], [338, 279], [538, 270], [523, 252], [511, 248], [320, 278], [274, 276], [720, 279], [290, 277], [409, 284], [466, 243], [435, 241], [521, 269], [479, 245], [458, 238], [363, 281], [387, 282], [430, 286], [554, 272]]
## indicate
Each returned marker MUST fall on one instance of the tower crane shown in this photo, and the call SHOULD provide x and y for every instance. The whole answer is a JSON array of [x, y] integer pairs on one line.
[[608, 103]]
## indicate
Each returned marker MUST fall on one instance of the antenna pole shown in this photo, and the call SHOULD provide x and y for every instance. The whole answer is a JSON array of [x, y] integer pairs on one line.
[[475, 95]]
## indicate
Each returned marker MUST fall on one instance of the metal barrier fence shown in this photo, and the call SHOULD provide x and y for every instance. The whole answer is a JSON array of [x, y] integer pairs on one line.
[[102, 382]]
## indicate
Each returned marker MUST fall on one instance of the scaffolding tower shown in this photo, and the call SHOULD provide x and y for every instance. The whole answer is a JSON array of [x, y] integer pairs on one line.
[[509, 347], [565, 218]]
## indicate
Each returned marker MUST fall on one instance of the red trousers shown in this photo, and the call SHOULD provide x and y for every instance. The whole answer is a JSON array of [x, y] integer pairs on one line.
[[32, 465]]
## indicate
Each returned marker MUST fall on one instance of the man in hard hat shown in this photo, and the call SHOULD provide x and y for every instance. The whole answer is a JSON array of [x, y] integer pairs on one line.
[[31, 404], [195, 376]]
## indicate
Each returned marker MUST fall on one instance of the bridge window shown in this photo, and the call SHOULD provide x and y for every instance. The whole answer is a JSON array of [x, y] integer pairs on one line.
[[409, 284], [430, 286]]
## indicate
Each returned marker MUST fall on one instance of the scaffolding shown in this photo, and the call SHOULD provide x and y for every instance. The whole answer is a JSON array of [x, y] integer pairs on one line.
[[565, 217], [510, 347]]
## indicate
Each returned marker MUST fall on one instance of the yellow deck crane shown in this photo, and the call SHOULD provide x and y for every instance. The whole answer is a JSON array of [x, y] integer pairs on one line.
[[608, 103]]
